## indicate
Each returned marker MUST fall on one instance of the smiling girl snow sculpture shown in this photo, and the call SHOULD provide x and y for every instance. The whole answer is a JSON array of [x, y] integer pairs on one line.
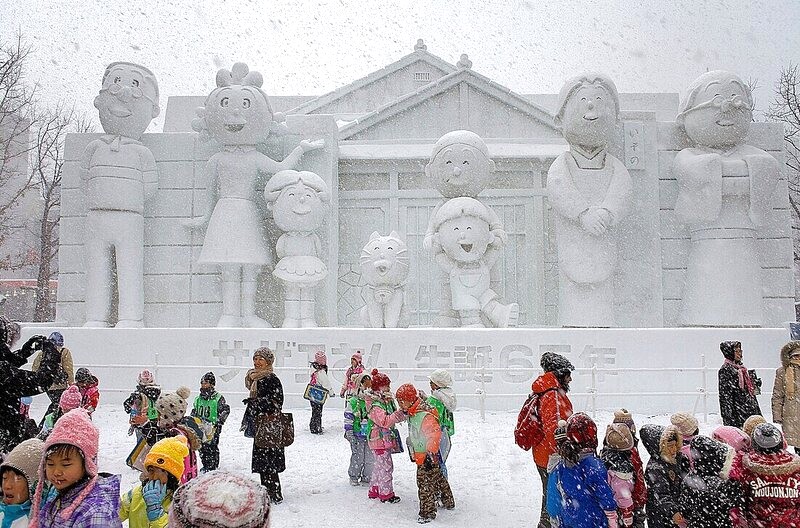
[[466, 248], [724, 191], [298, 201], [589, 190], [238, 116]]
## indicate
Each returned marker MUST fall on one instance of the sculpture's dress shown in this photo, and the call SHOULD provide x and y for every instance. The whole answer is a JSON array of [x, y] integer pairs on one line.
[[300, 265], [235, 233], [723, 196]]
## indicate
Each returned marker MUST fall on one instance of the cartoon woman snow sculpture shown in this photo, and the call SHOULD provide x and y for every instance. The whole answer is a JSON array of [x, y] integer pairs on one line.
[[298, 200], [237, 114]]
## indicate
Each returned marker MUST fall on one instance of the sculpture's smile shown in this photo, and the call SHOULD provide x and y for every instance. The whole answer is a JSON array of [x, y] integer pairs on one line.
[[591, 117], [466, 247], [726, 122], [119, 111], [301, 212], [234, 128]]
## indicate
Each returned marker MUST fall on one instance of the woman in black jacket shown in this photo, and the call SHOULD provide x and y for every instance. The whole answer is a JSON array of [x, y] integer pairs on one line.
[[662, 475], [737, 387], [266, 398]]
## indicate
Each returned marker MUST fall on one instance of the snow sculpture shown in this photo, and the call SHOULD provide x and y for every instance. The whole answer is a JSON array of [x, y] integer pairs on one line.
[[238, 116], [384, 267], [298, 201], [590, 192], [459, 166], [466, 247], [724, 191], [119, 175]]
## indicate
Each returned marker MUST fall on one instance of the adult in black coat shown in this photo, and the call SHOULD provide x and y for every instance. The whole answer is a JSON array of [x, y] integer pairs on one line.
[[708, 496], [16, 382], [737, 387], [266, 398], [662, 474]]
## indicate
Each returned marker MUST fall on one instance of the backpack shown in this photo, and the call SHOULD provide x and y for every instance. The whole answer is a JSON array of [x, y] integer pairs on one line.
[[529, 430]]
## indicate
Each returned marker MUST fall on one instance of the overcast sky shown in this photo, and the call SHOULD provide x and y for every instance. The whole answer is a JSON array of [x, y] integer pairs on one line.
[[313, 47]]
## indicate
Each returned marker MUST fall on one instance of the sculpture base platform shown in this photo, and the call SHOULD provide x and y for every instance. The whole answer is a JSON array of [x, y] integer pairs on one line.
[[651, 371]]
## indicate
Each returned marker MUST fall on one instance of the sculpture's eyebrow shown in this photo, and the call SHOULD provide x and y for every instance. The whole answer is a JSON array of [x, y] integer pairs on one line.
[[712, 83]]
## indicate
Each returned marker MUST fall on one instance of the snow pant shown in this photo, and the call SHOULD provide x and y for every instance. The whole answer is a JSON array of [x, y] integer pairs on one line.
[[209, 452], [444, 451], [381, 481], [316, 418], [430, 485], [361, 459], [544, 518], [272, 481]]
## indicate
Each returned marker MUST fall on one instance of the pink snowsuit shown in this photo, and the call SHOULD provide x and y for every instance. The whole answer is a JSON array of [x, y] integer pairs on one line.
[[622, 486], [380, 442]]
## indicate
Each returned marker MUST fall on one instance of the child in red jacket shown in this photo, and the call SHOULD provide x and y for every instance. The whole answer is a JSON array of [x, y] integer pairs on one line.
[[90, 394]]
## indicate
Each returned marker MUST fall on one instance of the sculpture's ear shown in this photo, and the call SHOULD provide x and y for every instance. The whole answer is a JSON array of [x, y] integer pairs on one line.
[[156, 111], [492, 165], [97, 102], [374, 235], [394, 234]]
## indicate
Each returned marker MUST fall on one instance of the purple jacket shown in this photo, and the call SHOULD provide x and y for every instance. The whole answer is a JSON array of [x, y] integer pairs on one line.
[[98, 509]]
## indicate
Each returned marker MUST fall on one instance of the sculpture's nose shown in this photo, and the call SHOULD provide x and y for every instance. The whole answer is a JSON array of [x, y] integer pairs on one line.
[[125, 93], [590, 104], [303, 199], [457, 171]]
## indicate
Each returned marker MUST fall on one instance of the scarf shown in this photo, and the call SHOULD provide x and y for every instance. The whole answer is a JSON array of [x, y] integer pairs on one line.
[[12, 512], [788, 380], [253, 375], [745, 382]]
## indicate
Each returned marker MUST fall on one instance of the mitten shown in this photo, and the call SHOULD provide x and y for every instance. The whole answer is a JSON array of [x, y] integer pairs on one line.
[[153, 493]]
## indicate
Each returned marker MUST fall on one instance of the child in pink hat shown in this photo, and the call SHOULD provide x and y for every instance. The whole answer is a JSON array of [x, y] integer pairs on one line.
[[70, 399], [356, 367], [79, 496], [320, 379]]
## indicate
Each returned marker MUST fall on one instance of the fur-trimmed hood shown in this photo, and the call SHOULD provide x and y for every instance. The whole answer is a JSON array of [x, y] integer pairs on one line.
[[783, 463], [787, 349]]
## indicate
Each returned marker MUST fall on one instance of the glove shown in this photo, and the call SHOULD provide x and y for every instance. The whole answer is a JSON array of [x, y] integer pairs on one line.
[[32, 345], [153, 493]]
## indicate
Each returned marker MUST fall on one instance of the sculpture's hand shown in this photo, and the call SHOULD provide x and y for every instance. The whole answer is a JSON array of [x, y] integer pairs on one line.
[[427, 242], [195, 222], [500, 237], [312, 145], [592, 221]]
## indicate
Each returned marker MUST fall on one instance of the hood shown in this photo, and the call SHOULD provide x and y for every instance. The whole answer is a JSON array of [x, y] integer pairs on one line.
[[786, 350], [545, 382], [709, 456], [732, 436], [151, 391], [651, 438], [783, 463], [727, 348], [447, 397]]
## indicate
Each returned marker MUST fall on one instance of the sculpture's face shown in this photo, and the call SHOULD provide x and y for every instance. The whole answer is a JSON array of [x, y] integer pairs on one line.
[[298, 208], [126, 103], [384, 260], [460, 170], [465, 239], [589, 117], [238, 115], [720, 117]]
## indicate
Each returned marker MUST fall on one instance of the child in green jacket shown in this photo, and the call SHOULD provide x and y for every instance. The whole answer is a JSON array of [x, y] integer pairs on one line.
[[443, 399]]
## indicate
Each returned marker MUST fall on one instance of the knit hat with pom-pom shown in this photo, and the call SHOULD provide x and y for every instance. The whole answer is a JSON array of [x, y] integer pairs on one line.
[[220, 499], [169, 454], [146, 378], [751, 423], [70, 398], [379, 380], [618, 437], [172, 407]]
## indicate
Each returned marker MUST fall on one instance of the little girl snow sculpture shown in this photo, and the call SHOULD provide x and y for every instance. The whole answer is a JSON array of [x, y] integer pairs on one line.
[[384, 268], [466, 247], [238, 116], [589, 190], [724, 191], [298, 201]]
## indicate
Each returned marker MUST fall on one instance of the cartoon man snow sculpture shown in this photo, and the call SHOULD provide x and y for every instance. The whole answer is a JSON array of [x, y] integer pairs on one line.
[[590, 191], [119, 175]]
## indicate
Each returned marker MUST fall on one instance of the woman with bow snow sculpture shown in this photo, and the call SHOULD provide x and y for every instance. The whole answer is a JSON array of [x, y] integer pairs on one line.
[[238, 116]]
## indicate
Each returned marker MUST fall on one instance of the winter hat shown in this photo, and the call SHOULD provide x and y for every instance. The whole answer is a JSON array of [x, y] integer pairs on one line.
[[582, 431], [732, 436], [406, 393], [210, 378], [357, 356], [320, 358], [651, 438], [168, 454], [441, 378], [767, 439], [220, 499], [728, 348], [686, 423], [710, 457], [751, 423], [146, 378], [552, 362], [75, 428], [70, 398], [618, 437], [266, 353], [379, 380], [26, 458], [624, 416], [57, 339], [83, 375], [172, 407]]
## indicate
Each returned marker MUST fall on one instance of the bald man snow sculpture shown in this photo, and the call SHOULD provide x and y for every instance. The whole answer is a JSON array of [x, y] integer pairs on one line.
[[119, 175], [589, 190], [724, 191]]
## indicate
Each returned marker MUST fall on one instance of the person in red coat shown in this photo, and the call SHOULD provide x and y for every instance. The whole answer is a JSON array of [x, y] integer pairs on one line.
[[554, 405]]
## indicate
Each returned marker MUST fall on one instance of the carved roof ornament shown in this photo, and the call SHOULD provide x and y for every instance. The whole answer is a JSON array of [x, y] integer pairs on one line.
[[420, 45], [464, 63]]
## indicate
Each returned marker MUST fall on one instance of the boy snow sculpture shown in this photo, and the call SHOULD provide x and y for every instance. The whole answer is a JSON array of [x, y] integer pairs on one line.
[[590, 191], [466, 248], [119, 174], [384, 267]]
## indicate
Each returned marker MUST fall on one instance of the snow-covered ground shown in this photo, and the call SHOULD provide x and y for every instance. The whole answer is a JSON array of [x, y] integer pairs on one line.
[[494, 481]]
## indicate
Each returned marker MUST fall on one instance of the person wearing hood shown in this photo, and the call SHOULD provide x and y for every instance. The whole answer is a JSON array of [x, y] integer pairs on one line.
[[211, 407], [624, 416], [19, 477], [443, 399], [737, 387], [356, 419], [554, 405], [786, 394], [356, 367], [770, 476], [663, 475], [87, 383], [65, 375], [70, 399], [708, 496], [17, 383], [141, 404]]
